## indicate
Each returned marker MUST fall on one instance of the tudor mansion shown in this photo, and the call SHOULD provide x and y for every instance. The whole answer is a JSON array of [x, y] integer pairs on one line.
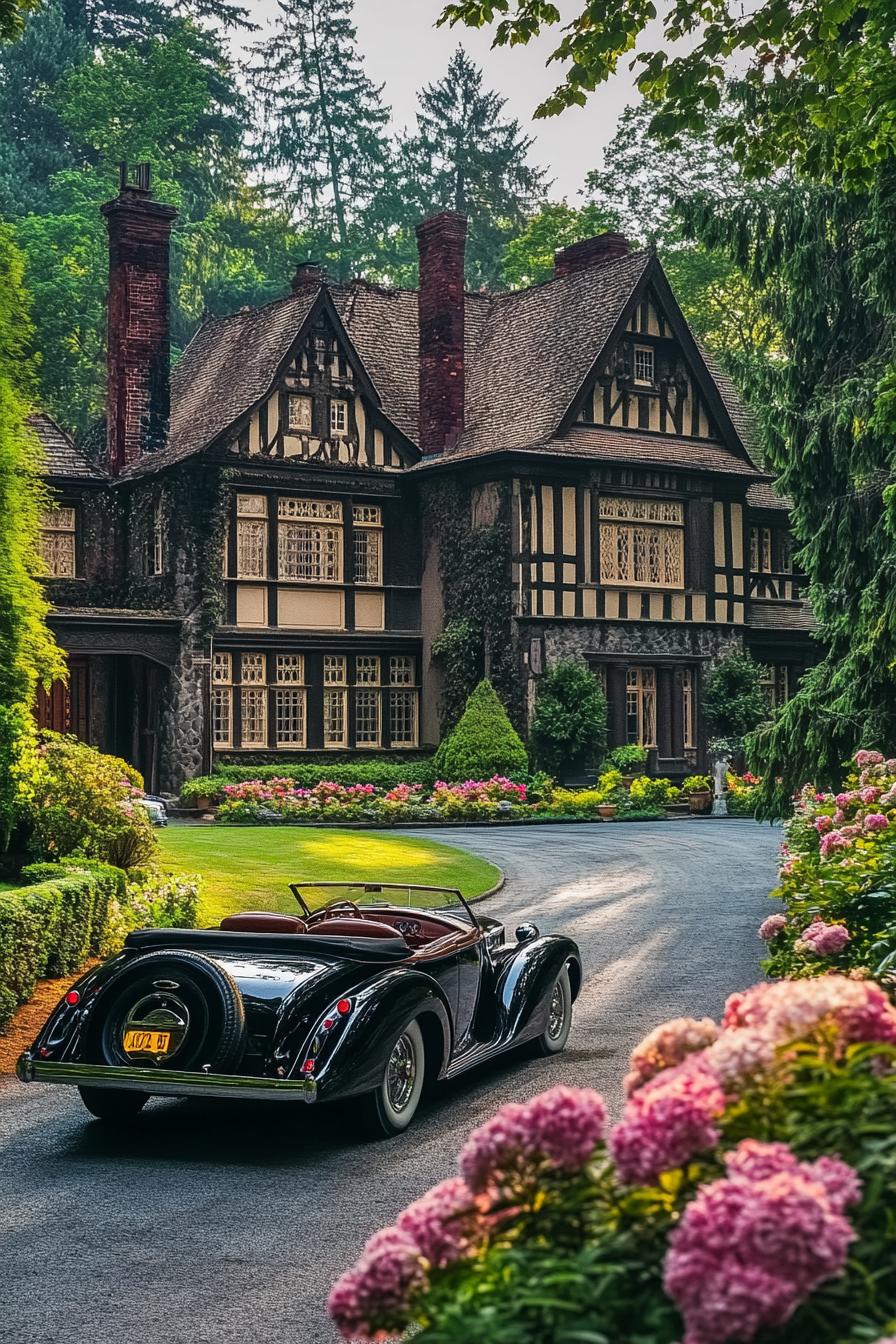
[[246, 572]]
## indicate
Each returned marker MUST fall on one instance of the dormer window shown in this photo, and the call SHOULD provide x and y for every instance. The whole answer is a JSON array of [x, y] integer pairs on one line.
[[338, 417], [300, 414], [644, 368]]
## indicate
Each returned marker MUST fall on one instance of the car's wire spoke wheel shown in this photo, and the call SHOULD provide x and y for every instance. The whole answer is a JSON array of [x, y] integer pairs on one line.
[[557, 1015], [391, 1107], [401, 1073], [556, 1033]]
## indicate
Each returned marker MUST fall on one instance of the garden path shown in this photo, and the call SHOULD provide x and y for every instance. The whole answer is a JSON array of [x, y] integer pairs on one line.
[[223, 1224]]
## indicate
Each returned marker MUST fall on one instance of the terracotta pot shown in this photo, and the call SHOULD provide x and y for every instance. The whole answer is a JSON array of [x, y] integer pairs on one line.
[[202, 803], [606, 810], [700, 803]]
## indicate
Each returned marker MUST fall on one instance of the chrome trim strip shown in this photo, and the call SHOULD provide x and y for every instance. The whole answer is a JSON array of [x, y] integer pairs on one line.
[[166, 1082]]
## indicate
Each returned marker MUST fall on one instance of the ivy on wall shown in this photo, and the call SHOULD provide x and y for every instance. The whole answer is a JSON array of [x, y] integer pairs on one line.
[[475, 569]]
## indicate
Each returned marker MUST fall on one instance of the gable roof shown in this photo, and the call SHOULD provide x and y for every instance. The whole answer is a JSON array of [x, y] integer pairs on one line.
[[228, 366], [529, 353], [62, 458], [542, 340]]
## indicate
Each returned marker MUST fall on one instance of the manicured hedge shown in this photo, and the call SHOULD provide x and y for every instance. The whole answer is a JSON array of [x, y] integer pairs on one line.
[[383, 774], [76, 909]]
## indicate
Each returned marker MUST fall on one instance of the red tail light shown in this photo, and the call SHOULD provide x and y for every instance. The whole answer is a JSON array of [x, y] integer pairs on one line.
[[344, 1007], [73, 997], [308, 1066]]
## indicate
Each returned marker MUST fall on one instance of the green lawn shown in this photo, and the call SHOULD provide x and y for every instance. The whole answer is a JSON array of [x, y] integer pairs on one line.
[[250, 867]]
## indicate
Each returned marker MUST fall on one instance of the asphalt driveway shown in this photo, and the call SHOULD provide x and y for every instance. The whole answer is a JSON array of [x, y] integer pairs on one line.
[[228, 1223]]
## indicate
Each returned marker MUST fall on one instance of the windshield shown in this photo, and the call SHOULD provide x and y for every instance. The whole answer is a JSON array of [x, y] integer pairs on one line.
[[314, 895]]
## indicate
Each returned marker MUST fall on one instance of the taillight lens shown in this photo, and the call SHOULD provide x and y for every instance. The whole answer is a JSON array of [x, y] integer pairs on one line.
[[344, 1007], [308, 1066], [72, 997]]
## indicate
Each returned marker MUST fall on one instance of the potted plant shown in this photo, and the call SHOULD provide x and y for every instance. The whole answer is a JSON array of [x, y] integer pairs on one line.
[[606, 811], [630, 760], [199, 792], [698, 790]]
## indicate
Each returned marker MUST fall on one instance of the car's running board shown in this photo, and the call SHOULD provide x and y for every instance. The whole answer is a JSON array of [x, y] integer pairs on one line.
[[166, 1082], [480, 1054]]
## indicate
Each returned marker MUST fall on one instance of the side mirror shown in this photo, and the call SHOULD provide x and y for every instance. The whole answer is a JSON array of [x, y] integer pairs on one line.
[[526, 932]]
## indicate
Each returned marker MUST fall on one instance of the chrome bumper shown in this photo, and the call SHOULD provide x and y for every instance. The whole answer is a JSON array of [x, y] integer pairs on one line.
[[165, 1082]]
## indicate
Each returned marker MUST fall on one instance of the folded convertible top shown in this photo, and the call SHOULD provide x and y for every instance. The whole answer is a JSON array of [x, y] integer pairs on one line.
[[294, 944]]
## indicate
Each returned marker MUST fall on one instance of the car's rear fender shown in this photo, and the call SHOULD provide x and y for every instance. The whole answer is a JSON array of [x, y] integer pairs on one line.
[[352, 1059], [60, 1036], [525, 982]]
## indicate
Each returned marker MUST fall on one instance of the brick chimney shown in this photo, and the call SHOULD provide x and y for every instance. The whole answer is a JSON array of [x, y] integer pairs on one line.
[[309, 276], [590, 252], [440, 299], [138, 397]]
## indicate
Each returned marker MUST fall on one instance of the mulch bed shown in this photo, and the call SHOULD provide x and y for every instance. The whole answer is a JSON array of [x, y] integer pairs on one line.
[[29, 1019]]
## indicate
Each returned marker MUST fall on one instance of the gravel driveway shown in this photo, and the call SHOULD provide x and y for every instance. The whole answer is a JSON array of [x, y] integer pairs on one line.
[[228, 1223]]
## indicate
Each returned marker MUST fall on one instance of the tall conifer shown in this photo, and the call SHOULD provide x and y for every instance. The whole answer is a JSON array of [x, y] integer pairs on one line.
[[464, 155], [323, 142]]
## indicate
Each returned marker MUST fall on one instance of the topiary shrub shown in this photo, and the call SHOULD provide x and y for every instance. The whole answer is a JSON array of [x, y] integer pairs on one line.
[[570, 724], [482, 743], [733, 702]]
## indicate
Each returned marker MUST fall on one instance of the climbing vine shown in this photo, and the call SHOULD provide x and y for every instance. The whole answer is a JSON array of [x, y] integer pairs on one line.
[[474, 564]]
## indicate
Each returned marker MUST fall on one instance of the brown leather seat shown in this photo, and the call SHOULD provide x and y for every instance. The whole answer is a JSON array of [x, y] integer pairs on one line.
[[262, 921], [348, 927]]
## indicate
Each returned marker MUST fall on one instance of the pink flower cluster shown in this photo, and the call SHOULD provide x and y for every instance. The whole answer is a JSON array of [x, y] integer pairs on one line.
[[751, 1247], [866, 810], [374, 1299], [498, 789], [667, 1046], [668, 1121], [792, 1010], [370, 1301], [823, 940], [771, 927], [280, 791], [674, 1115], [561, 1128]]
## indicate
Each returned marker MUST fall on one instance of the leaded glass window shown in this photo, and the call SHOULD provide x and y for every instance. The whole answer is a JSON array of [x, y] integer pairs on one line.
[[641, 542], [57, 542], [367, 717], [403, 718], [309, 551], [640, 706], [289, 713]]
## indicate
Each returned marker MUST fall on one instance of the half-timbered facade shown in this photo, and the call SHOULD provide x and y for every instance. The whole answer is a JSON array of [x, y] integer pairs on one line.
[[264, 578]]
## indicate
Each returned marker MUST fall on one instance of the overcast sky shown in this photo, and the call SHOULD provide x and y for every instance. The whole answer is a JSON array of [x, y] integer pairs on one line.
[[404, 50]]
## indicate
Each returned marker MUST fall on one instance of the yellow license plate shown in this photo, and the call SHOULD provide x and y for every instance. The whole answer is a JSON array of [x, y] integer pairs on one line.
[[147, 1042]]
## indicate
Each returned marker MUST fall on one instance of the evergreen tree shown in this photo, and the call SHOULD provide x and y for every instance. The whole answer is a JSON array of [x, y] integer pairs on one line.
[[34, 143], [827, 412], [322, 144], [465, 156]]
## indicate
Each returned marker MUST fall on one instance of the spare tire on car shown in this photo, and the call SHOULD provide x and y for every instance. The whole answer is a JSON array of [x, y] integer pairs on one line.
[[171, 1010]]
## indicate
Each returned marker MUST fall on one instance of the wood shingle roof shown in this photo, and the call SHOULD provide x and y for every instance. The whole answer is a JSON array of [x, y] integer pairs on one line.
[[62, 458]]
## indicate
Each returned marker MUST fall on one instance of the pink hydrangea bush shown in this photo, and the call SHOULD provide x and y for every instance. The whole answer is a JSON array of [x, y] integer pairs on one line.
[[730, 1194], [751, 1247], [674, 1116], [838, 878]]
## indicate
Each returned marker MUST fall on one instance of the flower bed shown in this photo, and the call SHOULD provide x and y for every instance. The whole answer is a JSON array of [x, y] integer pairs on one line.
[[838, 879], [280, 799], [746, 1193]]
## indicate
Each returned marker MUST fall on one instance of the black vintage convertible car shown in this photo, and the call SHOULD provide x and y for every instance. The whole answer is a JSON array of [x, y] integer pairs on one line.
[[373, 991]]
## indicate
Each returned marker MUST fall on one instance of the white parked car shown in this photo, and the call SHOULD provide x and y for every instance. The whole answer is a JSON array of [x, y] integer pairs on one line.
[[155, 810]]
